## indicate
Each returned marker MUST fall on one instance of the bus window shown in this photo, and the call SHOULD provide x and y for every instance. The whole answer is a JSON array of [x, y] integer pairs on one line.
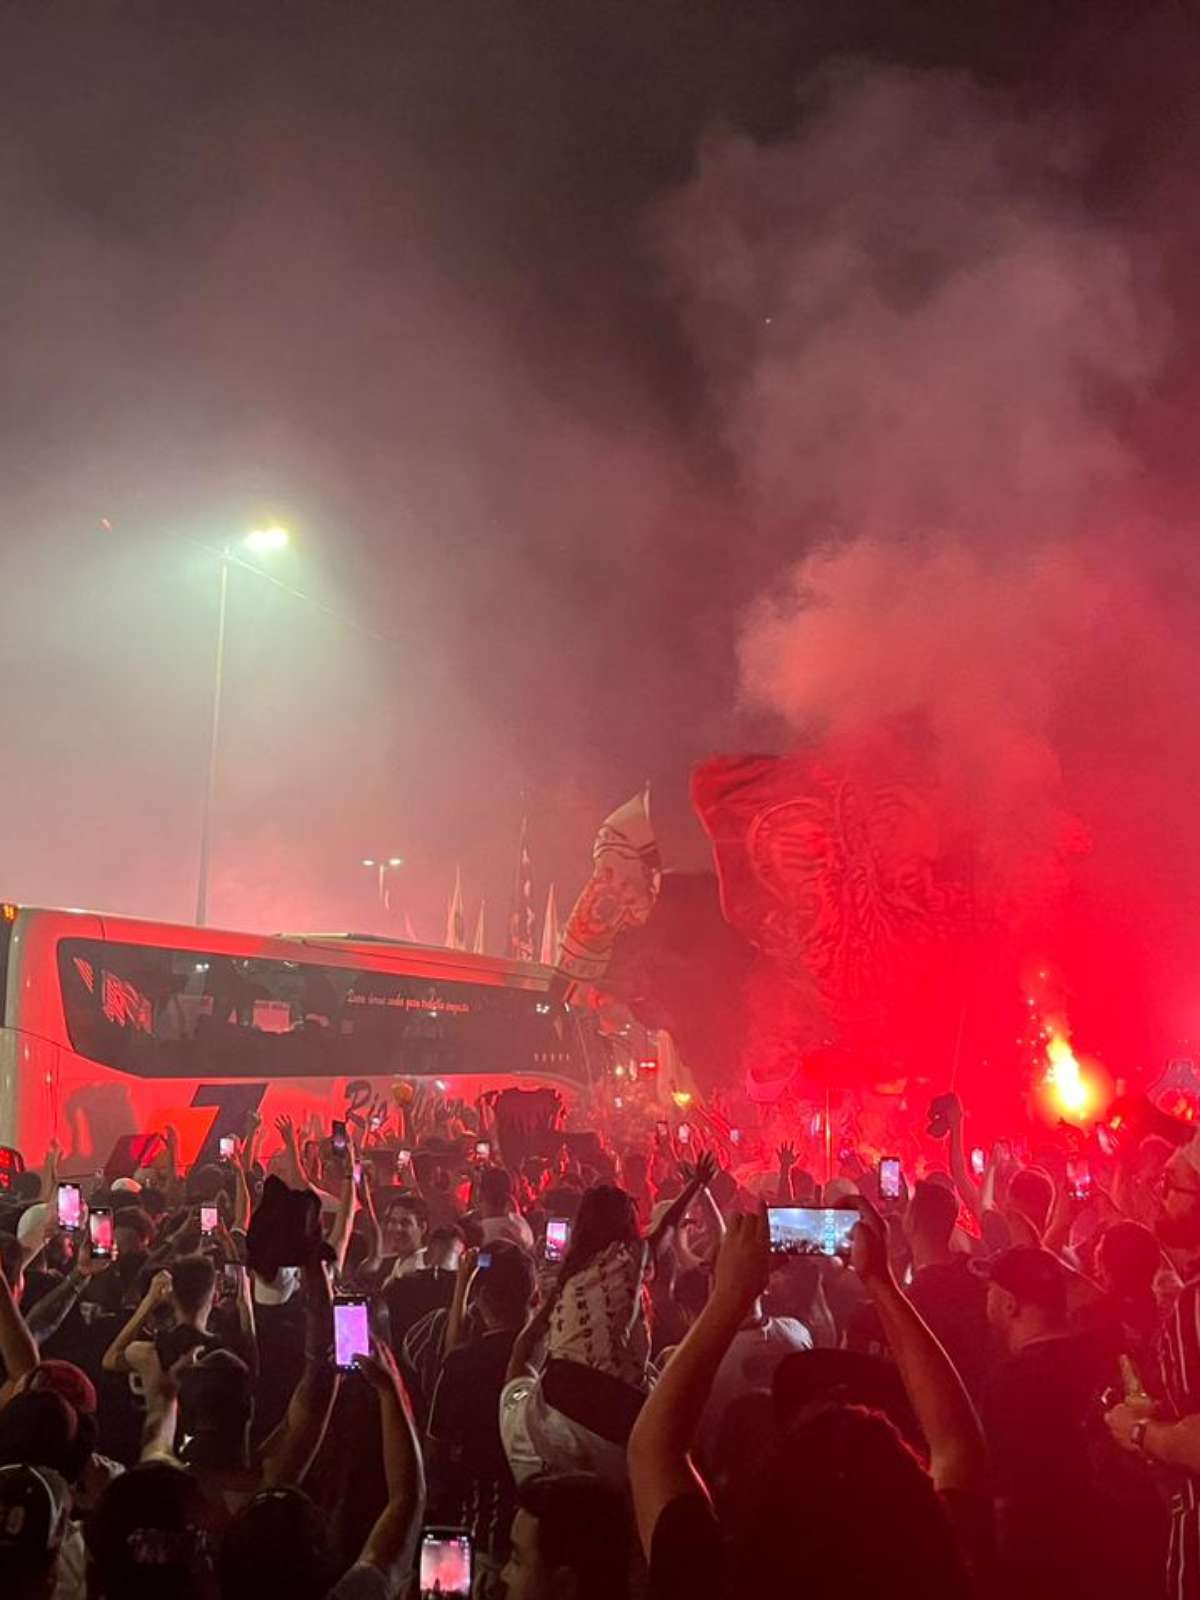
[[156, 1012]]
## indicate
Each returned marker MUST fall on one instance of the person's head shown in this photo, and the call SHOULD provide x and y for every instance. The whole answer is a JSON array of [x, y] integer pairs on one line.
[[41, 1429], [276, 1545], [152, 1534], [839, 1505], [930, 1219], [133, 1230], [1178, 1221], [206, 1185], [1027, 1295], [1031, 1192], [405, 1224], [35, 1506], [64, 1379], [26, 1186], [12, 1264], [495, 1192], [607, 1216], [691, 1293], [445, 1248], [1127, 1259], [504, 1289], [193, 1284], [570, 1541], [216, 1409]]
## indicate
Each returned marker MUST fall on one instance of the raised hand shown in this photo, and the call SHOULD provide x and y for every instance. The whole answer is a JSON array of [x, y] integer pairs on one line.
[[286, 1129], [706, 1168], [869, 1244], [744, 1259], [787, 1157]]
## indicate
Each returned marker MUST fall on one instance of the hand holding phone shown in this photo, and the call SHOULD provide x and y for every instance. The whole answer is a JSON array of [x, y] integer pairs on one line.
[[209, 1220], [227, 1145], [978, 1161], [683, 1133], [558, 1237], [483, 1149], [810, 1230], [338, 1138]]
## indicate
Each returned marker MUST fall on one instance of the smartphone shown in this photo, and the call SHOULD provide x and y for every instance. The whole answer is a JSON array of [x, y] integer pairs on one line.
[[483, 1260], [558, 1237], [100, 1232], [483, 1149], [1106, 1141], [227, 1144], [810, 1230], [1079, 1180], [338, 1138], [208, 1220], [376, 1121], [231, 1275], [663, 1130], [683, 1133], [357, 1173], [735, 1136], [445, 1563], [891, 1181], [978, 1161], [403, 1160], [351, 1330], [69, 1205]]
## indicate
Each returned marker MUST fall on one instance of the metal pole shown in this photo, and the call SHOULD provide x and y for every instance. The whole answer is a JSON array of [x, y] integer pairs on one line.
[[213, 745]]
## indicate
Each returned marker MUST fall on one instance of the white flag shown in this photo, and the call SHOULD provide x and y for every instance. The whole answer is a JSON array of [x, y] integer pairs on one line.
[[479, 947], [550, 934], [456, 929]]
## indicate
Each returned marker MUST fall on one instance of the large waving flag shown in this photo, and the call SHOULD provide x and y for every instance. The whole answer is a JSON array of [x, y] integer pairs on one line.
[[456, 927], [626, 871]]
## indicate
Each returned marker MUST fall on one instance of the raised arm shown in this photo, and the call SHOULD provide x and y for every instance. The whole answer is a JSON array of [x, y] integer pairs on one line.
[[289, 1453], [343, 1220], [18, 1348], [659, 1469], [706, 1169], [159, 1291], [467, 1262], [51, 1311], [391, 1541], [786, 1155], [960, 1171], [957, 1456]]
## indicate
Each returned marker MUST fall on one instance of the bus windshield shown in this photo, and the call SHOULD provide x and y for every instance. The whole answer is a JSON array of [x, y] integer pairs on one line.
[[156, 1012]]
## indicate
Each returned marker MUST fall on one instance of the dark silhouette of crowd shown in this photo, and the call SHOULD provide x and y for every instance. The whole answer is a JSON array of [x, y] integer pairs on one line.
[[311, 1370]]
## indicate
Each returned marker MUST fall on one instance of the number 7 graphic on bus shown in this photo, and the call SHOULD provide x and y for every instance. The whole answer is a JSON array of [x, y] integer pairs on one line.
[[233, 1103]]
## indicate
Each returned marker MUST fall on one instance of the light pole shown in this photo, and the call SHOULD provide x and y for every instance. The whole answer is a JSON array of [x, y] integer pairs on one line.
[[383, 865], [260, 541]]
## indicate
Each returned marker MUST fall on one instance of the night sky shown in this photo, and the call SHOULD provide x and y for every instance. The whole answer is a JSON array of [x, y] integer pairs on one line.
[[431, 283]]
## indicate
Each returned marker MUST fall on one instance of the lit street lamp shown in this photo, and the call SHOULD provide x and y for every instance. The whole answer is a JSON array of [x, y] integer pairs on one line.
[[258, 542], [383, 865]]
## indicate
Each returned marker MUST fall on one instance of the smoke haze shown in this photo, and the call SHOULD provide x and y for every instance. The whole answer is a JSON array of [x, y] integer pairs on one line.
[[637, 381]]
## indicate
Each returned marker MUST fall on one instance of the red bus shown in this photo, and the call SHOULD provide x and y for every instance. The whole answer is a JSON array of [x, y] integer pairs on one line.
[[110, 1025]]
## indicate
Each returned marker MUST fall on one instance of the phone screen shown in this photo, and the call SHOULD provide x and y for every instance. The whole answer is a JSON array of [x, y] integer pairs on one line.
[[100, 1231], [978, 1161], [810, 1230], [445, 1563], [683, 1133], [208, 1219], [483, 1148], [403, 1160], [351, 1331], [890, 1179], [70, 1205], [1079, 1180], [558, 1237], [231, 1272], [227, 1146], [338, 1138]]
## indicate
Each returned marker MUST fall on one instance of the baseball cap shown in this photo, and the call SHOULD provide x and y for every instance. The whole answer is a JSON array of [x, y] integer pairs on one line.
[[68, 1381], [1035, 1276], [34, 1506]]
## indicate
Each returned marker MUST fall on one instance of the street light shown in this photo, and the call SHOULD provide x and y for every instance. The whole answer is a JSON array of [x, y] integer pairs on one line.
[[259, 541], [383, 865]]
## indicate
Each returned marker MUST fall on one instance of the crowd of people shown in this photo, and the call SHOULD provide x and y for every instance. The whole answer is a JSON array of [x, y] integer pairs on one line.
[[306, 1371]]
